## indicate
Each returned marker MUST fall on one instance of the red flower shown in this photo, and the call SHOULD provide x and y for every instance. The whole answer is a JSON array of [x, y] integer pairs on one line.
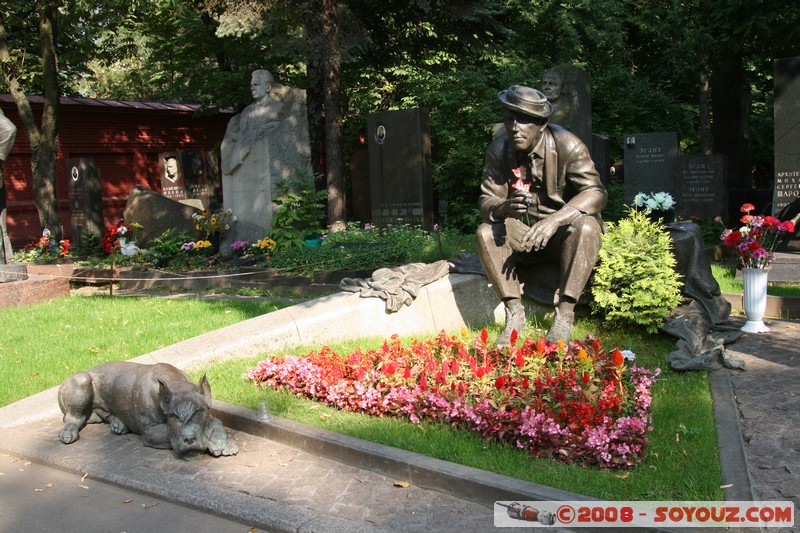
[[771, 221], [746, 219], [423, 383], [407, 372], [521, 186], [753, 246], [514, 337], [746, 208], [484, 336], [787, 226], [500, 382], [617, 357], [520, 359], [480, 372], [733, 238], [585, 377]]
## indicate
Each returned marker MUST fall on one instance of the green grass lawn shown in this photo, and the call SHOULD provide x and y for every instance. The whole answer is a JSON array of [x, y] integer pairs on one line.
[[726, 277], [42, 344]]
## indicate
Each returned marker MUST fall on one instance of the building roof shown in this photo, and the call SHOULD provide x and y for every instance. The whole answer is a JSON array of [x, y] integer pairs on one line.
[[119, 104]]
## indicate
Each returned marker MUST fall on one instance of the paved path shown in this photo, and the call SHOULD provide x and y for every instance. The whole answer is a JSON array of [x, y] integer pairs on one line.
[[767, 396]]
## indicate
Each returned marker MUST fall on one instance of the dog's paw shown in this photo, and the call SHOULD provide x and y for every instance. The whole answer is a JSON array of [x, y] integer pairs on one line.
[[117, 426], [69, 434]]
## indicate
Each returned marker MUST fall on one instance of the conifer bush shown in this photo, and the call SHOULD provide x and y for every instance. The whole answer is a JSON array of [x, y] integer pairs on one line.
[[635, 282]]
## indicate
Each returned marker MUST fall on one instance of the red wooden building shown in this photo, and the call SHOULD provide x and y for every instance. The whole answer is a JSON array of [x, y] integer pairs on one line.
[[124, 140]]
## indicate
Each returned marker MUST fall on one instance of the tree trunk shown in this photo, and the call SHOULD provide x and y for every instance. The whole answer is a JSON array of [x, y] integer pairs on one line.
[[44, 140], [333, 113], [315, 84]]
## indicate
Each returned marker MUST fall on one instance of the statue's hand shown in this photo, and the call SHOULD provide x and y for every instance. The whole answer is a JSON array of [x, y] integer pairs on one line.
[[540, 234], [519, 202]]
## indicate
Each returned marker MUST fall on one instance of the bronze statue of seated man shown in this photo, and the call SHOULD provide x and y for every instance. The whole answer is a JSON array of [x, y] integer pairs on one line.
[[541, 198]]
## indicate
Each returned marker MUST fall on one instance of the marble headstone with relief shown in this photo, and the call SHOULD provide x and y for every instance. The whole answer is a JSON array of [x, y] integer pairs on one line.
[[650, 163], [267, 142]]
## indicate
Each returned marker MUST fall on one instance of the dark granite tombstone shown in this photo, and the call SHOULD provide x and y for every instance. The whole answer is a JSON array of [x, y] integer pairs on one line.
[[650, 163], [569, 90], [85, 198], [601, 155], [195, 175], [787, 133], [700, 186], [401, 186]]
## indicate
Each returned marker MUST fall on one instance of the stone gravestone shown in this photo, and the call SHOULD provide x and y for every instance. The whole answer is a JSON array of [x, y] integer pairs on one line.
[[85, 198], [194, 166], [700, 186], [267, 142], [184, 177], [401, 186], [569, 89], [650, 163], [787, 133], [171, 176], [157, 214]]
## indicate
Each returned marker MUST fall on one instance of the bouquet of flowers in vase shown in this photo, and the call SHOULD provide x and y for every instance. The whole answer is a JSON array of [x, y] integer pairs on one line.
[[754, 243], [657, 201], [212, 223]]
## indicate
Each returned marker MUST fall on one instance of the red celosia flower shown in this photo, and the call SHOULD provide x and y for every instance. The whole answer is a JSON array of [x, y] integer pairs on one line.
[[617, 357], [585, 377], [484, 336], [520, 359], [407, 372], [514, 337], [423, 383], [480, 372], [500, 382]]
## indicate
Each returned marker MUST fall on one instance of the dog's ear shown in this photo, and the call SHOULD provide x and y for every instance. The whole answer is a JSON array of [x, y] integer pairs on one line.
[[164, 395], [205, 389]]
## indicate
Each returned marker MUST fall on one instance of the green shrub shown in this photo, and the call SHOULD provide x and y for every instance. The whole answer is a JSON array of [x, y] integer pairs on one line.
[[367, 256], [635, 282], [300, 212]]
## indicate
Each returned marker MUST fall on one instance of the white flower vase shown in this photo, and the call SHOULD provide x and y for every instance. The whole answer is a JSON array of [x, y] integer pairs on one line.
[[128, 249], [755, 299]]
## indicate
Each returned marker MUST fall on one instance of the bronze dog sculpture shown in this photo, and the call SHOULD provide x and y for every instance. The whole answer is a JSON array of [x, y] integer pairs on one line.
[[158, 402]]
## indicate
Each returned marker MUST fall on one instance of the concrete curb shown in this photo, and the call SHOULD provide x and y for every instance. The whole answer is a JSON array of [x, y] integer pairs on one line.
[[463, 482], [732, 456]]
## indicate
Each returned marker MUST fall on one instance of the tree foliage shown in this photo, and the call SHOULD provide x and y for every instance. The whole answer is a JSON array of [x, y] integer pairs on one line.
[[696, 66]]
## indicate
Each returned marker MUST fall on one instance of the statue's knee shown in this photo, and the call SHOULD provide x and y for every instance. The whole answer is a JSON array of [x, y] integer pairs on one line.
[[586, 226], [486, 236]]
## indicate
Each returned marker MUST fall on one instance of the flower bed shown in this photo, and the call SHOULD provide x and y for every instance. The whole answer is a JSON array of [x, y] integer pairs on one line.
[[574, 403]]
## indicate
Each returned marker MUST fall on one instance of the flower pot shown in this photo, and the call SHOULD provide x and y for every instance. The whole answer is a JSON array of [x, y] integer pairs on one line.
[[755, 299], [312, 241]]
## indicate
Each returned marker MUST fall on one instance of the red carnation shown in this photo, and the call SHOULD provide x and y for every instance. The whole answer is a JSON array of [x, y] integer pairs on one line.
[[746, 208]]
